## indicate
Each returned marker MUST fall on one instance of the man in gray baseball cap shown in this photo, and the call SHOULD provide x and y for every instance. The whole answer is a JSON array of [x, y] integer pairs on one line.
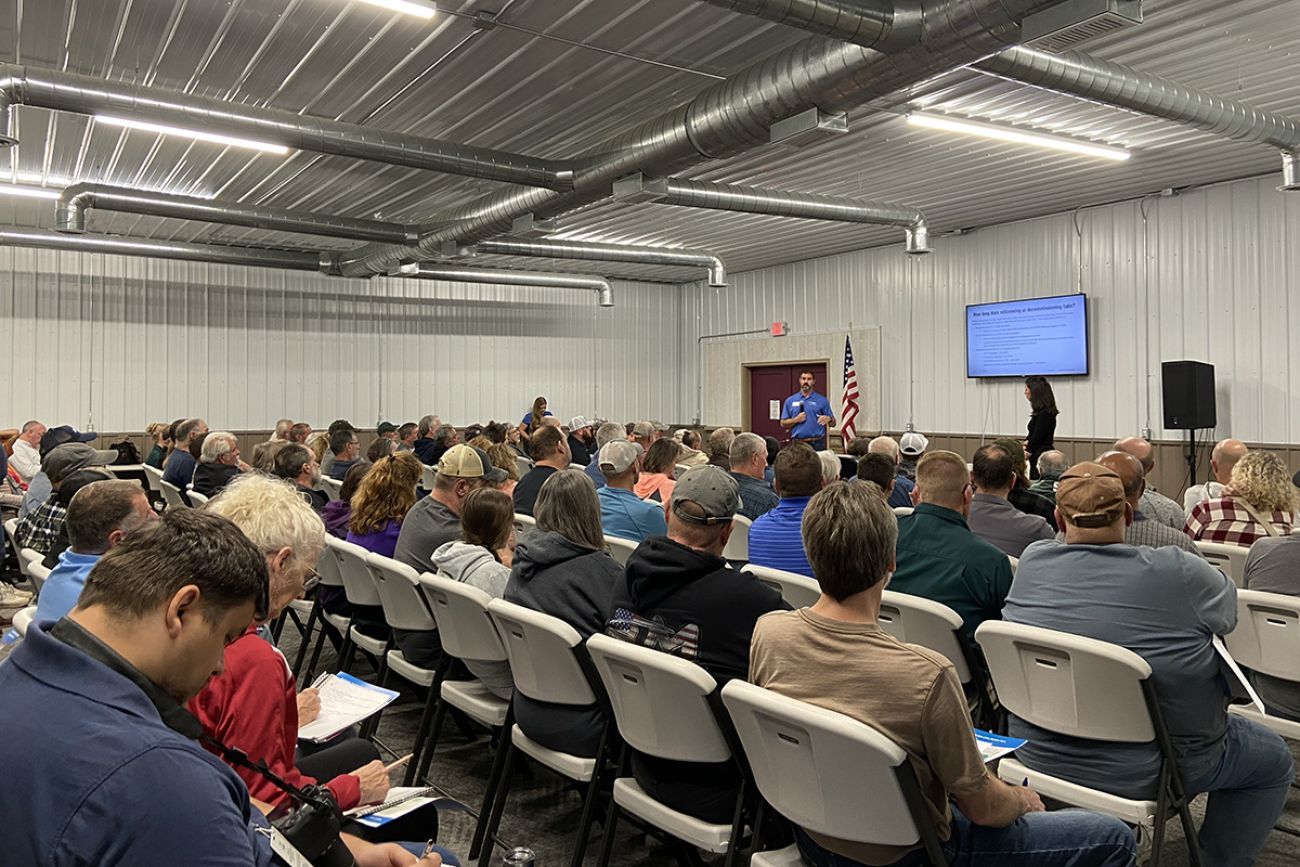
[[40, 526]]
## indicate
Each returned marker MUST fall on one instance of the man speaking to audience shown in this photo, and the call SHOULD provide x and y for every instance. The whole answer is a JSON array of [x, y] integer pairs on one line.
[[807, 414]]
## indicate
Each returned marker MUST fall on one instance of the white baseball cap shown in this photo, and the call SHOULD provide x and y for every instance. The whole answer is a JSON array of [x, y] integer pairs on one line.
[[913, 444]]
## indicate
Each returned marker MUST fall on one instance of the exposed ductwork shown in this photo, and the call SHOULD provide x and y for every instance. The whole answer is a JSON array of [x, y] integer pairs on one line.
[[599, 285], [74, 201], [123, 246], [879, 24], [734, 116], [643, 255], [781, 203], [81, 94]]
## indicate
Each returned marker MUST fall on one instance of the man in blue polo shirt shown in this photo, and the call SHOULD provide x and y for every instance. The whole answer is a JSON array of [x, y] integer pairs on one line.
[[807, 414], [776, 538], [622, 512]]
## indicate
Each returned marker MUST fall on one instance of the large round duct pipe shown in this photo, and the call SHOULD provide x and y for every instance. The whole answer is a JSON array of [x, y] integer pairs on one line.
[[503, 277], [82, 94], [644, 255], [1290, 171], [879, 24], [74, 201], [123, 246]]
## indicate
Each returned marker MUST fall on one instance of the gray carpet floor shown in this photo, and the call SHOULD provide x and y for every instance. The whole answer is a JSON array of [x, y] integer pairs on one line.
[[542, 812]]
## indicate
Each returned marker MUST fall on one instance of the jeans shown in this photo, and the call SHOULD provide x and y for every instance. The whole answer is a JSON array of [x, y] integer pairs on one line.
[[1065, 838], [1248, 786]]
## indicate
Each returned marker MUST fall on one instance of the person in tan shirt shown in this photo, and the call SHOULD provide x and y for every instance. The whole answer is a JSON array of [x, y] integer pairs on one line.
[[836, 656]]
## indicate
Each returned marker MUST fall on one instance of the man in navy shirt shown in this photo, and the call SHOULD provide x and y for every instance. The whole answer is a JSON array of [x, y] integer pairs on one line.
[[179, 469], [807, 414]]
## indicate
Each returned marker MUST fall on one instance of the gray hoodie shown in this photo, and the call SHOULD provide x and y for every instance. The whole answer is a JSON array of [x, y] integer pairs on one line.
[[474, 565]]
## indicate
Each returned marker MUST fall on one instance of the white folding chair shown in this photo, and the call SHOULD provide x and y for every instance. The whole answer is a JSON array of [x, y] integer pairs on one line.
[[900, 511], [359, 586], [799, 590], [26, 558], [1085, 688], [829, 773], [620, 549], [171, 494], [405, 608], [197, 499], [524, 523], [681, 468], [1015, 563], [333, 488], [154, 476], [548, 663], [1267, 641], [738, 543], [522, 465], [1229, 559], [11, 531], [38, 573], [666, 707], [23, 619], [327, 566]]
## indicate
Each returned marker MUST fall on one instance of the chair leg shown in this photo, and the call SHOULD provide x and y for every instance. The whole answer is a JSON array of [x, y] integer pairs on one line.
[[498, 806], [347, 652], [1162, 814], [1189, 831], [737, 829], [589, 802], [421, 734], [611, 815], [494, 788], [315, 655], [426, 752], [278, 627], [306, 640], [371, 725]]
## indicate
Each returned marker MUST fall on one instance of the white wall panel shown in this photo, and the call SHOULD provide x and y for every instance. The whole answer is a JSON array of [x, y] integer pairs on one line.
[[1211, 279]]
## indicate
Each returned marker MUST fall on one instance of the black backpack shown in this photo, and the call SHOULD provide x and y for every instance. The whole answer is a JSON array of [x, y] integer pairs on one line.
[[127, 453]]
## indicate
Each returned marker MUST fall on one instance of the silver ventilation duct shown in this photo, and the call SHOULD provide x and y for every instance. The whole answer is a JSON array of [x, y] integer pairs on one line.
[[123, 246], [879, 24], [734, 116], [599, 285], [780, 203], [63, 91], [74, 201], [643, 255]]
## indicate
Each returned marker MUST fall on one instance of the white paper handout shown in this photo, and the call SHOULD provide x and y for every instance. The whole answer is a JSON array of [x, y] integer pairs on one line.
[[1231, 665], [996, 746], [344, 701]]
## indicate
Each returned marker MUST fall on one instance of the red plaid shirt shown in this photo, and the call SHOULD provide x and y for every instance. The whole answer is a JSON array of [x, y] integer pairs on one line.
[[1225, 520]]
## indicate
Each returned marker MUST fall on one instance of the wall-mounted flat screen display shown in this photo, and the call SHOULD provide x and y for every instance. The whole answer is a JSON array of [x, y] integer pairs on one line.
[[1034, 336]]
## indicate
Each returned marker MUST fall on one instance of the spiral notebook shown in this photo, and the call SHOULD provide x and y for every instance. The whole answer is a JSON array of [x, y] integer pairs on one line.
[[401, 800], [344, 701]]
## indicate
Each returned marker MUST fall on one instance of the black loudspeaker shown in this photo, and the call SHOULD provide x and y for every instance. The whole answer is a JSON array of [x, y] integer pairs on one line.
[[1188, 388]]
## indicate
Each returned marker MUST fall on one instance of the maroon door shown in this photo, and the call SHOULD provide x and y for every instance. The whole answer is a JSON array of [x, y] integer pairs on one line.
[[767, 384]]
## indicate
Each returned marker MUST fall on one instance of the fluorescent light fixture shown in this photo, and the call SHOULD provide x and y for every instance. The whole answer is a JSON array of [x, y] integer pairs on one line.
[[28, 192], [1017, 136], [408, 7], [198, 135]]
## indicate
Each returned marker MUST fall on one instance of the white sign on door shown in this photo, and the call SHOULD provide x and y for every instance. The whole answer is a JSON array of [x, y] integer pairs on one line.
[[774, 410]]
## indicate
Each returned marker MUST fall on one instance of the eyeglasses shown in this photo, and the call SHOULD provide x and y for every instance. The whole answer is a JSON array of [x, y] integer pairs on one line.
[[311, 580]]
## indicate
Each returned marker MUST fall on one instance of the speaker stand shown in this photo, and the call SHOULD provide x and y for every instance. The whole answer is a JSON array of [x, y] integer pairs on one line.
[[1191, 456]]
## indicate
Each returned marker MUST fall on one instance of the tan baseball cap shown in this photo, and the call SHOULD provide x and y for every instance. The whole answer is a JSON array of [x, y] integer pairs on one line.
[[1090, 495], [466, 462], [618, 456]]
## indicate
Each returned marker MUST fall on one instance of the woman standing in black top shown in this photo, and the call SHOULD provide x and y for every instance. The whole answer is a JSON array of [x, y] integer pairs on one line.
[[1042, 419]]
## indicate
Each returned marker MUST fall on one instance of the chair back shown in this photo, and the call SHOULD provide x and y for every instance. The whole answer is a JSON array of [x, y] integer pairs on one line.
[[823, 770], [171, 494], [153, 476], [197, 499], [930, 624], [524, 522], [399, 594], [848, 466], [660, 702], [38, 572], [1267, 637], [799, 590], [900, 511], [327, 567], [1067, 684], [1230, 559], [738, 543], [681, 468], [522, 465], [11, 530], [465, 627], [358, 585], [26, 557], [428, 476], [1015, 563], [543, 653], [620, 549], [333, 488], [23, 619]]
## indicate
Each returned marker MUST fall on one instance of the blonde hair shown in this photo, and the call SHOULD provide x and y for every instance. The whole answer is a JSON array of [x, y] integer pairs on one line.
[[318, 443], [272, 514], [386, 493], [1261, 479], [942, 478], [503, 457], [481, 442]]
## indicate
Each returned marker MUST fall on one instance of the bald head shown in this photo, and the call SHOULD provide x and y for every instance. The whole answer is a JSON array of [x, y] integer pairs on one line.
[[884, 445], [1140, 449], [1224, 457], [1130, 472]]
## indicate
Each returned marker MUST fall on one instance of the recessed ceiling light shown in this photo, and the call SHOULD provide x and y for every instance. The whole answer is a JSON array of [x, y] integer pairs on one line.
[[408, 7], [198, 135], [28, 192], [1015, 135]]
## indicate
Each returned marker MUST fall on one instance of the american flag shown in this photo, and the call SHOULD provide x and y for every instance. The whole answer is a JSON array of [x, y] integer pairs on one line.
[[849, 410]]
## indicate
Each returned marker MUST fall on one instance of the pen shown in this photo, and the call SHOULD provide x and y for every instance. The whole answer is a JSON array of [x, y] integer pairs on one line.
[[428, 850], [397, 764]]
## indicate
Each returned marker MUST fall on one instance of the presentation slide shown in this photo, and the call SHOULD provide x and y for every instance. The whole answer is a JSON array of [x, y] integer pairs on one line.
[[1043, 336]]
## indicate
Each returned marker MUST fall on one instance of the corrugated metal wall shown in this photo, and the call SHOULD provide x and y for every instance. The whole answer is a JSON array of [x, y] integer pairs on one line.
[[1212, 281], [120, 342]]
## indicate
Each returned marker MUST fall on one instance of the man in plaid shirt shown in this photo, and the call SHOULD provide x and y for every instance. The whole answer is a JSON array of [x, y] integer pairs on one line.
[[40, 527]]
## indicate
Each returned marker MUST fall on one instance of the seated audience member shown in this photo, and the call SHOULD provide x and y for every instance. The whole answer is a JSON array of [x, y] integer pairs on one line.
[[1051, 464], [677, 586], [380, 503], [252, 704], [406, 435], [774, 539], [1155, 505], [381, 447], [346, 449], [605, 434], [299, 433], [748, 462], [481, 558], [1273, 566], [773, 448], [424, 444], [858, 446], [26, 458], [582, 440], [831, 466], [938, 555], [515, 439], [1020, 496], [879, 469], [720, 448], [902, 493], [1097, 587], [337, 514], [100, 515], [503, 458], [40, 528], [991, 517], [218, 464], [433, 522], [264, 455], [1224, 457], [319, 443], [836, 656], [641, 433], [444, 438], [688, 451], [11, 492], [297, 464], [1143, 530], [327, 459], [69, 489], [563, 569], [281, 432], [911, 446], [658, 472], [387, 431], [40, 487], [179, 469], [480, 442], [160, 433], [622, 513], [1259, 501], [550, 453]]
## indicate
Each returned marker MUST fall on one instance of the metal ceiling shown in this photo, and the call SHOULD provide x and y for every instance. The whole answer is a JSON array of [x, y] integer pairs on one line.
[[506, 89]]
